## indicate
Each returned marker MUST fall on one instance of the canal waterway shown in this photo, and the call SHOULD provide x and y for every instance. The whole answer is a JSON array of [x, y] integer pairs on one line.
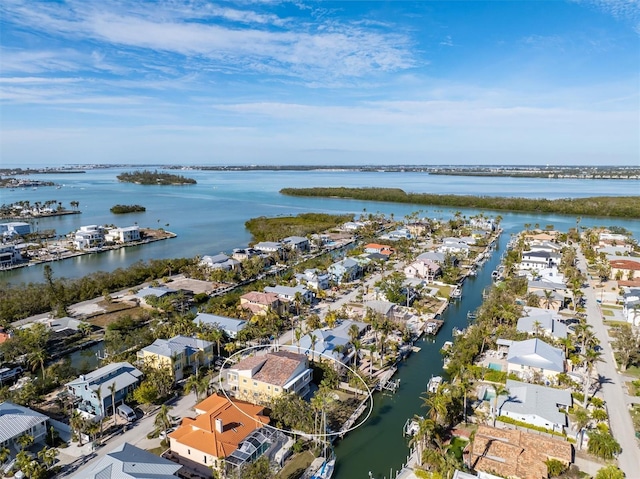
[[378, 446]]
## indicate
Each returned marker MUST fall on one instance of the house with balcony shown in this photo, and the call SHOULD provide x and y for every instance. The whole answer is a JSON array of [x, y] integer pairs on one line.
[[533, 358], [219, 261], [344, 271], [258, 379], [259, 303], [454, 246], [204, 443], [90, 236], [16, 421], [288, 293], [9, 255], [269, 247], [423, 268], [296, 243], [92, 392], [314, 278], [325, 343], [14, 228], [178, 354], [539, 260], [128, 234]]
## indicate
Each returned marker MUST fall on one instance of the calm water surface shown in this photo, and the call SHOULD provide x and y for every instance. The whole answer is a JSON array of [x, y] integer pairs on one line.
[[209, 217]]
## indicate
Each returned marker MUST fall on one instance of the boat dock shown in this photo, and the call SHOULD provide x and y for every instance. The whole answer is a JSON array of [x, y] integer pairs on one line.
[[432, 326]]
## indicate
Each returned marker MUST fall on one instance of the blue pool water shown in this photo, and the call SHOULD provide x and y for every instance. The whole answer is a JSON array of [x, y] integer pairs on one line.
[[495, 367]]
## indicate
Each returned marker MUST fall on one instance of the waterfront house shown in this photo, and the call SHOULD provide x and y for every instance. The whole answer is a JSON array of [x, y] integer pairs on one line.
[[288, 293], [231, 326], [344, 271], [627, 269], [327, 339], [423, 268], [258, 379], [90, 236], [203, 444], [219, 261], [538, 321], [14, 228], [379, 248], [270, 247], [260, 303], [16, 421], [243, 254], [513, 453], [9, 255], [533, 357], [177, 354], [435, 256], [314, 279], [87, 387], [419, 228], [156, 292], [124, 235], [536, 405], [130, 462], [539, 260], [296, 243], [558, 295], [398, 234], [353, 225], [454, 246]]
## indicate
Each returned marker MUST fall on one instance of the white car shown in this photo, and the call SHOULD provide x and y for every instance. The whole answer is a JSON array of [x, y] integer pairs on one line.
[[163, 434]]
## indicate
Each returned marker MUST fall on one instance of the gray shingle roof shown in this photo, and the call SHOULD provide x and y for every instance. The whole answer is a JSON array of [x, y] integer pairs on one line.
[[130, 462], [536, 354]]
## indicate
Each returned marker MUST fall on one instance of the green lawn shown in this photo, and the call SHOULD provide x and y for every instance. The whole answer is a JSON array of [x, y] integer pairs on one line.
[[295, 467], [633, 371], [157, 450], [607, 312]]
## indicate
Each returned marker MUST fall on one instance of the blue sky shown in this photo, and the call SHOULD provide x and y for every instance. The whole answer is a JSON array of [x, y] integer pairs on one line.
[[358, 82]]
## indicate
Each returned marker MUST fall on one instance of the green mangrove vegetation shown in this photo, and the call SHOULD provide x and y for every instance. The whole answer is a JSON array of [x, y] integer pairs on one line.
[[613, 206], [274, 229], [121, 209], [146, 177]]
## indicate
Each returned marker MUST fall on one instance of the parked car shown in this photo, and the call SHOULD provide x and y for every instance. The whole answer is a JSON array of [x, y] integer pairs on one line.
[[163, 434]]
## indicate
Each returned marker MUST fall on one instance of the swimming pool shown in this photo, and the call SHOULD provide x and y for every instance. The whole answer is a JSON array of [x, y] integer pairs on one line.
[[495, 367]]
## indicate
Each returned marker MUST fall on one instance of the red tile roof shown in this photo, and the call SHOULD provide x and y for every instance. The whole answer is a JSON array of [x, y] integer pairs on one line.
[[239, 419]]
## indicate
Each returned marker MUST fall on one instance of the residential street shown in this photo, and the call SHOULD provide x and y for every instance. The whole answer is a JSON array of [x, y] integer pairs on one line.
[[136, 435], [613, 387]]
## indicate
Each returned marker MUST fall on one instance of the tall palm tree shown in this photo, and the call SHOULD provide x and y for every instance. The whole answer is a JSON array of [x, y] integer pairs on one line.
[[164, 420], [548, 298], [314, 340], [192, 385], [48, 456], [101, 412], [590, 357], [357, 345], [36, 358], [112, 389], [499, 390], [77, 424]]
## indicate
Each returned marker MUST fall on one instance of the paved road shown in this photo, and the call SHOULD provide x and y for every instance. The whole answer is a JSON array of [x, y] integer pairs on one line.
[[137, 435], [613, 388]]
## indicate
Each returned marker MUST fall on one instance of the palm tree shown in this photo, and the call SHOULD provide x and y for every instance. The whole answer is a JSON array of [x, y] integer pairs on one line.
[[36, 358], [499, 390], [112, 389], [217, 336], [25, 441], [99, 396], [357, 345], [548, 298], [77, 424], [298, 336], [163, 419], [314, 340], [48, 456], [354, 332], [192, 385], [581, 421], [590, 357], [4, 454]]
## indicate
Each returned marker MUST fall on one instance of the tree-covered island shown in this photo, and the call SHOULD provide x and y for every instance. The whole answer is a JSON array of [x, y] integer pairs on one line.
[[121, 209], [273, 229], [146, 177], [614, 206]]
